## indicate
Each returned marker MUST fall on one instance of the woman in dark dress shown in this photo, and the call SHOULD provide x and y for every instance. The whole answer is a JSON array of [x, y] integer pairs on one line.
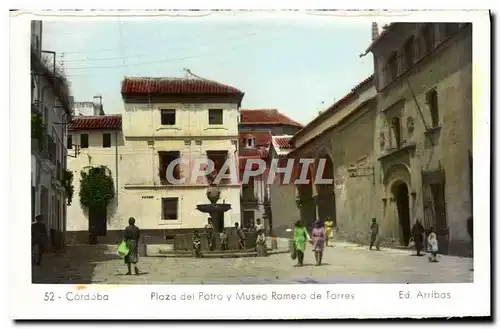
[[131, 238], [417, 232]]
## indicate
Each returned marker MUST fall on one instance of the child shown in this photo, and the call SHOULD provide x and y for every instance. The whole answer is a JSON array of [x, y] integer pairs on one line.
[[261, 243], [432, 245], [196, 244], [223, 240]]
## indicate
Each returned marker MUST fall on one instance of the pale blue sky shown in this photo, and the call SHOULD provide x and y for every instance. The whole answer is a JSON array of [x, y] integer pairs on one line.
[[291, 65]]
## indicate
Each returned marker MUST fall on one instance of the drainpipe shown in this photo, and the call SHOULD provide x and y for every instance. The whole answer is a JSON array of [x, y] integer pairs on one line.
[[116, 164]]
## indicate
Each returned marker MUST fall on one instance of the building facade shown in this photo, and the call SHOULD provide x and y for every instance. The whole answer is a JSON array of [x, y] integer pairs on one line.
[[50, 112], [283, 205], [256, 129], [423, 75], [164, 119], [93, 108], [342, 137]]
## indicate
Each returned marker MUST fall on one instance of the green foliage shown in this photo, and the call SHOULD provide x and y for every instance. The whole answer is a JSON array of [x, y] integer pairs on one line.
[[37, 127], [67, 183], [96, 187]]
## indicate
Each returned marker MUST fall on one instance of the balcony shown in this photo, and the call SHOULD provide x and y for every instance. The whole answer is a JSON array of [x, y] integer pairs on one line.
[[44, 147], [249, 199]]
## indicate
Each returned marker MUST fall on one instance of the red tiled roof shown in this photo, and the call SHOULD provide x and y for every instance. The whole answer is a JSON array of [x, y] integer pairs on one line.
[[266, 117], [261, 152], [178, 86], [96, 122], [337, 104], [262, 138], [283, 142]]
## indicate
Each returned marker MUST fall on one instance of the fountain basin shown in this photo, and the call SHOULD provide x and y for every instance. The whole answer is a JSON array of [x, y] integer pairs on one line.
[[213, 207]]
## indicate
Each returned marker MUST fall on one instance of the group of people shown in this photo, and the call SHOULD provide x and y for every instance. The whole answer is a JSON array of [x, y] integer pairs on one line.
[[418, 233], [318, 239], [223, 237], [418, 237], [322, 234]]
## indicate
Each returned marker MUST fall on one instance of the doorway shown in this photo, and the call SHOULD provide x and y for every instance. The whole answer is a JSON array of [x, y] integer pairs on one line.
[[326, 194], [97, 224], [248, 219], [403, 207]]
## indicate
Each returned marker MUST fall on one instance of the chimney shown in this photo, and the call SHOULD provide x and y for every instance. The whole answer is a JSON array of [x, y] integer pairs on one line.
[[374, 31]]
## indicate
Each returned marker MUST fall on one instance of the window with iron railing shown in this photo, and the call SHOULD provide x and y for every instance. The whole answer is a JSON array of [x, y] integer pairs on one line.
[[219, 158], [51, 148], [248, 191], [165, 159]]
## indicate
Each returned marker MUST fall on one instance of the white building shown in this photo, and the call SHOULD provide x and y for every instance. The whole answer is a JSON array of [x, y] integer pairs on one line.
[[50, 111], [164, 119], [93, 108]]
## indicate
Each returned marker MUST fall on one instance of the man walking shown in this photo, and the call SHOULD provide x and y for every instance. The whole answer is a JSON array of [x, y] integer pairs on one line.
[[374, 234], [38, 239]]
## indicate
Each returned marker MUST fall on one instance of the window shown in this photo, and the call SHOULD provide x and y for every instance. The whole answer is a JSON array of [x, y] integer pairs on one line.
[[429, 39], [392, 65], [106, 140], [396, 132], [84, 141], [170, 208], [248, 219], [165, 159], [69, 142], [432, 102], [408, 53], [218, 158], [250, 142], [215, 117], [248, 191], [168, 117]]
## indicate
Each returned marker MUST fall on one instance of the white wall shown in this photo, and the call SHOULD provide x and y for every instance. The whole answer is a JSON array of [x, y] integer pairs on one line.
[[191, 120], [139, 187]]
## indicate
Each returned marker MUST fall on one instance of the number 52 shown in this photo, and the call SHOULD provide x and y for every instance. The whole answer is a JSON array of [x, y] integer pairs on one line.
[[49, 297]]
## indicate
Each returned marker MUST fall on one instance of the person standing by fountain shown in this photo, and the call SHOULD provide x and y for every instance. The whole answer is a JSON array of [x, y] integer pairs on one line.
[[261, 243], [209, 232], [223, 240], [241, 236], [259, 226], [196, 244]]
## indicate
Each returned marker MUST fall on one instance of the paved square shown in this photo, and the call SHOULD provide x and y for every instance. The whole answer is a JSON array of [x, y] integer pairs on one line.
[[344, 263]]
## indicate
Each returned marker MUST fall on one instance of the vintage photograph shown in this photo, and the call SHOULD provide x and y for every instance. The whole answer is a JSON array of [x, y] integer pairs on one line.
[[251, 149]]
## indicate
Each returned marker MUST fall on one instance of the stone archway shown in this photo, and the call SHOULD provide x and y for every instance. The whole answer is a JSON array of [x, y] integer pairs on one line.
[[307, 202], [402, 198], [397, 181], [326, 192]]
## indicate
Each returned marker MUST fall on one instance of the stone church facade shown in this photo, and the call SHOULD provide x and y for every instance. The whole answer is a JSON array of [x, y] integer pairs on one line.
[[423, 76], [398, 146]]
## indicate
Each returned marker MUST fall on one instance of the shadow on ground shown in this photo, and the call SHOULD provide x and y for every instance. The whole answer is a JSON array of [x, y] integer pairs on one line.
[[67, 267]]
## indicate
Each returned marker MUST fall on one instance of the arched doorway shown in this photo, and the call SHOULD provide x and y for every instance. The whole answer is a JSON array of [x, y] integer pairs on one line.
[[326, 193], [307, 204], [403, 207]]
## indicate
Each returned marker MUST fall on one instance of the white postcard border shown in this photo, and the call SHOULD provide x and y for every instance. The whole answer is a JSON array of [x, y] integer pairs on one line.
[[373, 300]]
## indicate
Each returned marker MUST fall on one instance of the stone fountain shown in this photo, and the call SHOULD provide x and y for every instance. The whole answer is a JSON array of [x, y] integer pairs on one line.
[[214, 209]]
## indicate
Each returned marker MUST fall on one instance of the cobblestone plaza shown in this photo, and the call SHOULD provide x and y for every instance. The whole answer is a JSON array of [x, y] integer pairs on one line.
[[343, 263]]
